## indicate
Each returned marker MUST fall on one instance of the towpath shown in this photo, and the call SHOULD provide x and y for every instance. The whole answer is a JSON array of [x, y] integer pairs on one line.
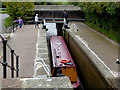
[[104, 48], [24, 44]]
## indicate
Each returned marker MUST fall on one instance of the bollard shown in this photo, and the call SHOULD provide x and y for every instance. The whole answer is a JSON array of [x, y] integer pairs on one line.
[[17, 67], [64, 33], [4, 59], [65, 24], [12, 63], [13, 26], [44, 24]]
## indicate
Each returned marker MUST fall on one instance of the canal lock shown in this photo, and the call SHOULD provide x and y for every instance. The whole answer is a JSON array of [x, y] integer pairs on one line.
[[56, 29]]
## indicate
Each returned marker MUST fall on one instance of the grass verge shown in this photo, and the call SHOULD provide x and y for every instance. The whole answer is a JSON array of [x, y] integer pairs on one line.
[[114, 35], [2, 11], [8, 22]]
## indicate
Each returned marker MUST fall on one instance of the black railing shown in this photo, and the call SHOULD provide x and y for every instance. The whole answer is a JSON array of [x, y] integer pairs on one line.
[[5, 63], [15, 24], [58, 19], [32, 21]]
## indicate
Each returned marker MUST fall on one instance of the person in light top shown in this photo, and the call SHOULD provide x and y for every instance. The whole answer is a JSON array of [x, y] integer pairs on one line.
[[20, 23], [36, 20]]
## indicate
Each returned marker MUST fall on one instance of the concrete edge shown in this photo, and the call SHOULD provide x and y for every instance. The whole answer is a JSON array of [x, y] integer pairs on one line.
[[96, 61], [41, 55], [52, 82]]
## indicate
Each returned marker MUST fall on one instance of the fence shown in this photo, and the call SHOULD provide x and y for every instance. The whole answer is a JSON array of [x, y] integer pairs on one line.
[[31, 20], [4, 62], [15, 24]]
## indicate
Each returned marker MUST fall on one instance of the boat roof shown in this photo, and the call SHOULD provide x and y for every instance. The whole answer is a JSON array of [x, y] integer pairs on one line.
[[60, 52]]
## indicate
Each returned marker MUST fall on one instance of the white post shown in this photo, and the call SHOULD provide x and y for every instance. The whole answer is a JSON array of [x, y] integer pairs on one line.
[[65, 23], [44, 24]]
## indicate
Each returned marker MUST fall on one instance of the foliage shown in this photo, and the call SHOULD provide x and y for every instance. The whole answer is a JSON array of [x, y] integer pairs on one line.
[[104, 16], [2, 11], [0, 4], [19, 9], [101, 7], [51, 3], [8, 22]]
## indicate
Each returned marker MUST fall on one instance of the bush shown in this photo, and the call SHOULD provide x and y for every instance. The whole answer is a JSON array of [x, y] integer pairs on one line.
[[8, 22], [19, 9], [2, 11], [104, 17]]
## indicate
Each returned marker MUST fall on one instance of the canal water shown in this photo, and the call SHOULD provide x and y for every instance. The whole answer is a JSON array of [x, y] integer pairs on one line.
[[52, 31]]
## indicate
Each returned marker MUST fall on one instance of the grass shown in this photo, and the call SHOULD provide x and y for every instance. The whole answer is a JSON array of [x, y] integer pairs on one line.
[[8, 22], [2, 11], [114, 35]]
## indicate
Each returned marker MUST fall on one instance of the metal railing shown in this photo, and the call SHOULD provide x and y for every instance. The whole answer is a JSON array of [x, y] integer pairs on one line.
[[5, 63], [32, 21], [45, 67], [15, 24], [73, 27]]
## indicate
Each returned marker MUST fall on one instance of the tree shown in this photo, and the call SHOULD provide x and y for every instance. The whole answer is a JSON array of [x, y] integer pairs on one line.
[[103, 16], [0, 2], [19, 9]]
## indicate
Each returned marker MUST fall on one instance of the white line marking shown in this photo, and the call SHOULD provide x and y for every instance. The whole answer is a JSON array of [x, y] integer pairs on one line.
[[95, 55]]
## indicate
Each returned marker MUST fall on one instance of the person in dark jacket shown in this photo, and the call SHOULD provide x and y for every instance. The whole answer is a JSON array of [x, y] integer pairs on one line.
[[65, 19], [65, 16]]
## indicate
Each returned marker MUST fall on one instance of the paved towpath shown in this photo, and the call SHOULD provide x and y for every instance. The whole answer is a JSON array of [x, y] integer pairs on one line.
[[24, 44], [100, 45]]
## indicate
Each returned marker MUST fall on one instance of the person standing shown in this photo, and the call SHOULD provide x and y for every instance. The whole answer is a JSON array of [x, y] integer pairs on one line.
[[66, 16], [36, 20], [20, 23], [65, 19]]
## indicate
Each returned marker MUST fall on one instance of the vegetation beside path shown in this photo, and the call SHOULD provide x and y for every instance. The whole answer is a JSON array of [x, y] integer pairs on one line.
[[16, 10], [103, 17], [8, 22], [2, 11]]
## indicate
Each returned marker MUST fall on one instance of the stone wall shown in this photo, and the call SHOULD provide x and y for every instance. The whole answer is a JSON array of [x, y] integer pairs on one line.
[[92, 72], [42, 58]]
